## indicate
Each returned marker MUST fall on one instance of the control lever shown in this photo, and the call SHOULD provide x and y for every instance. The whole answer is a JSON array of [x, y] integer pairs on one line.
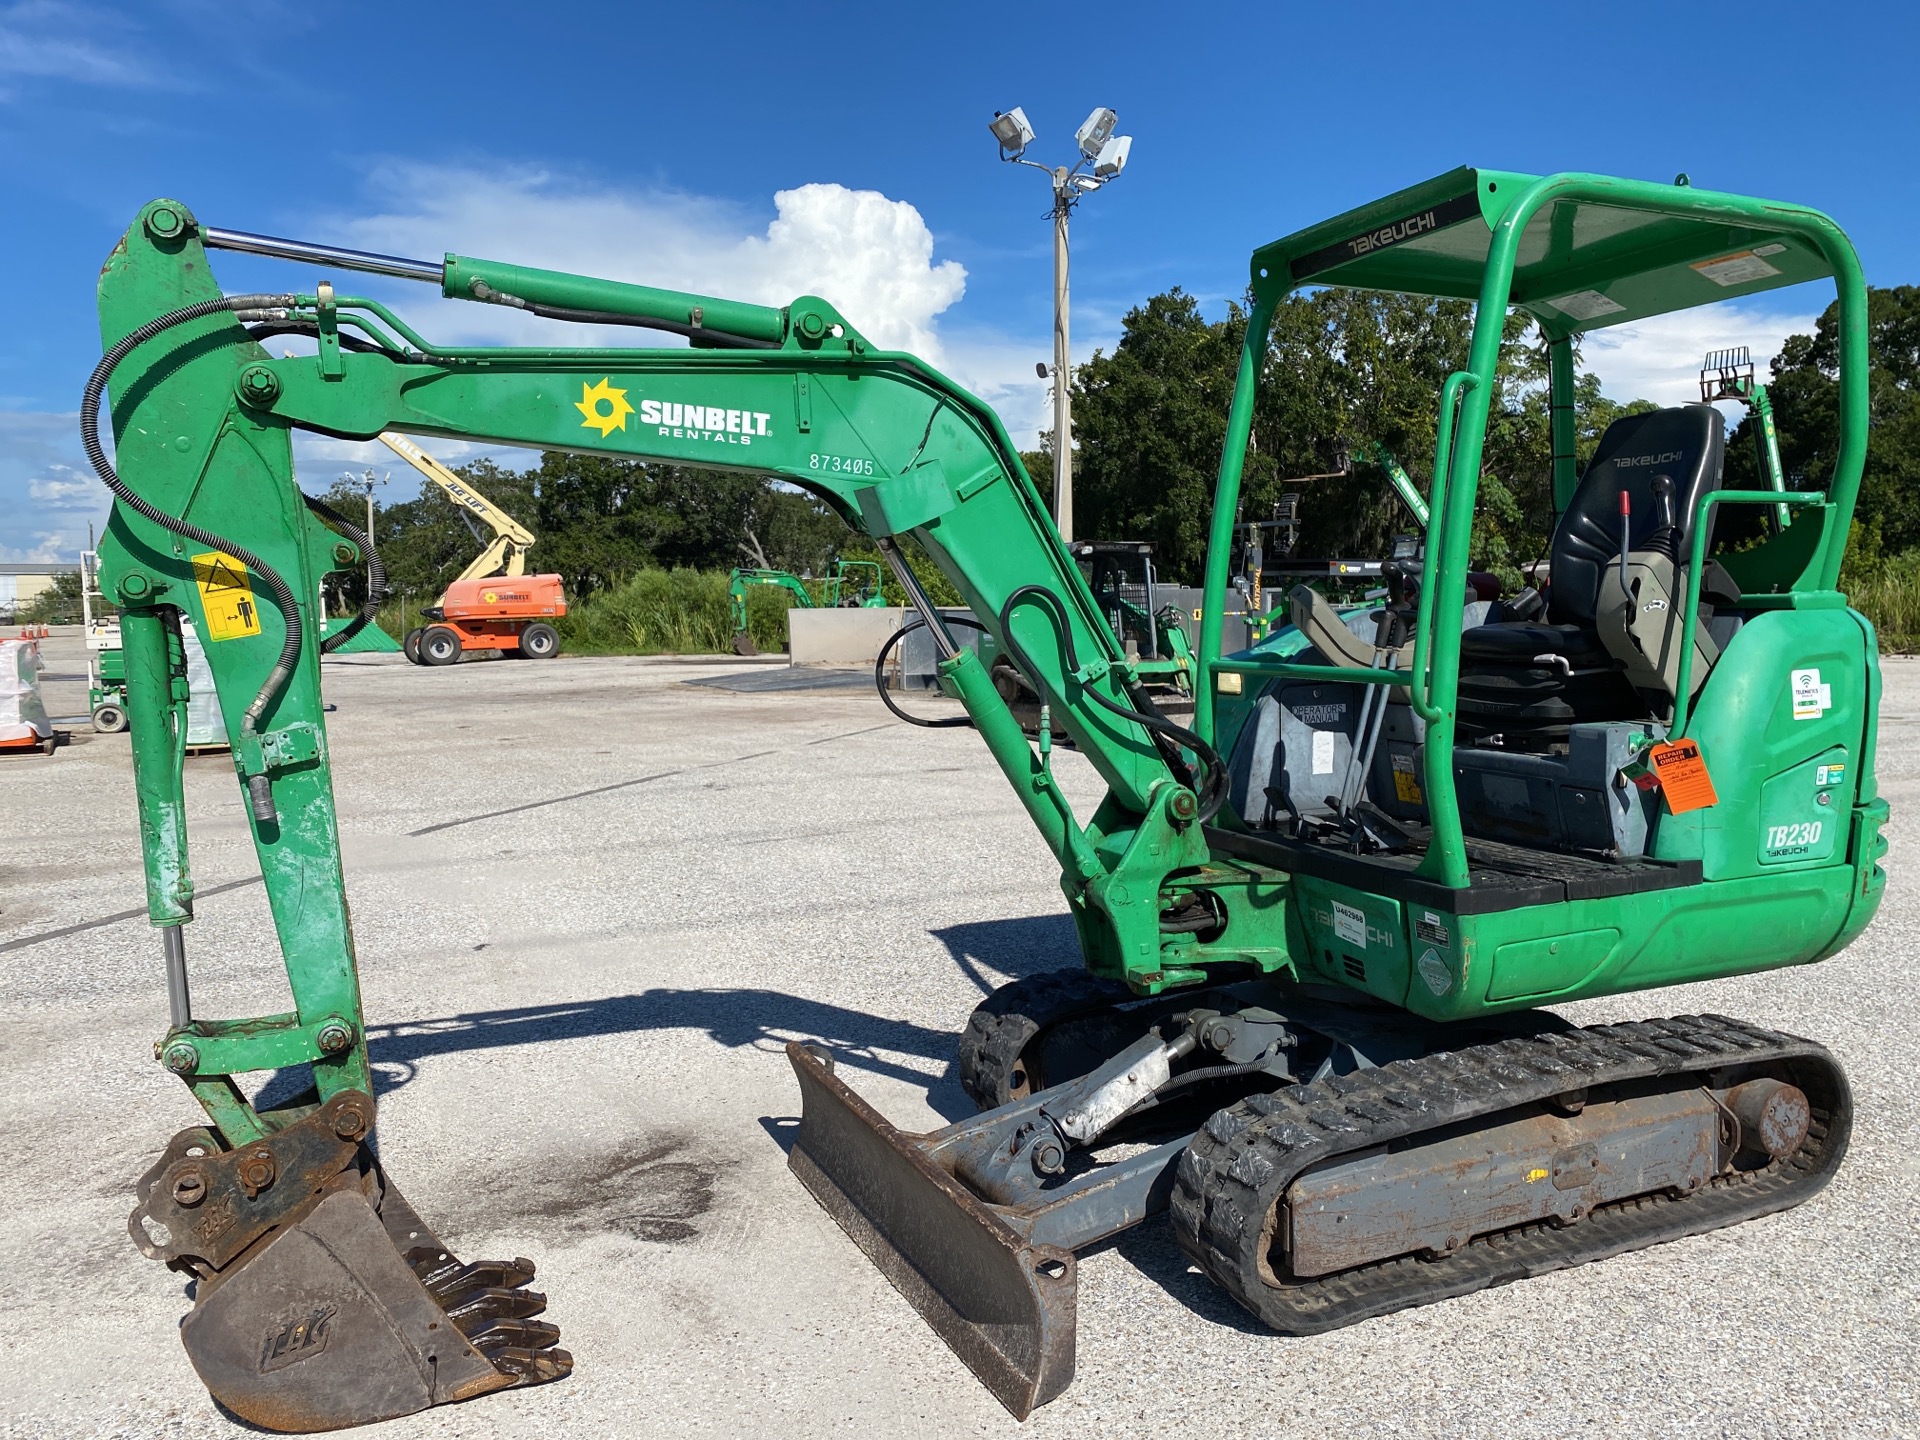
[[1626, 537]]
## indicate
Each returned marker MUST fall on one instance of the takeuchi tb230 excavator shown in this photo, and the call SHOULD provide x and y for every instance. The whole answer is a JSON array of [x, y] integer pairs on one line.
[[493, 604], [1319, 925]]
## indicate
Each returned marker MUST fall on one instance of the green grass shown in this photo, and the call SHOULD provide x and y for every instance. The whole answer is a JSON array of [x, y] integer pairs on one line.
[[672, 612], [655, 612], [1887, 592]]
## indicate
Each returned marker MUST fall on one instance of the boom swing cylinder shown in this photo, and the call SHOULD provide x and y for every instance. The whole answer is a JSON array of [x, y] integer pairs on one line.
[[1252, 975]]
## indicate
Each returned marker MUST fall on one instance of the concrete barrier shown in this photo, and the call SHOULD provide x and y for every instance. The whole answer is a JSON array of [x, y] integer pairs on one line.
[[840, 636]]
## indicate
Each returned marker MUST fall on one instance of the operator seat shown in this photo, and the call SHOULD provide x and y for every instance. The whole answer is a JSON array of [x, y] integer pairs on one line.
[[1529, 681]]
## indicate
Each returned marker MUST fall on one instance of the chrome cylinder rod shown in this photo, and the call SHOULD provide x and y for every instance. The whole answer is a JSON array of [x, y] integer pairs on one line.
[[179, 1005], [943, 640], [427, 271]]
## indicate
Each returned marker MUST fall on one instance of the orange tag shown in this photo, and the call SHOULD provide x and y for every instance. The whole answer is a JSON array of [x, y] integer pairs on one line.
[[1683, 776]]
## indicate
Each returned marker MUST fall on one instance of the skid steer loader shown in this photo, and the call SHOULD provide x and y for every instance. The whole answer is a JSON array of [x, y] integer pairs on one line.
[[1319, 925]]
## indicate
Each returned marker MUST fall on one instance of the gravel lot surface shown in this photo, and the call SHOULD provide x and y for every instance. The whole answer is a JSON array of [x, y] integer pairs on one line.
[[629, 893]]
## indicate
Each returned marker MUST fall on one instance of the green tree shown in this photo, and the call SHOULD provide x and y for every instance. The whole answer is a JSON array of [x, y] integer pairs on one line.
[[1342, 367], [1804, 389]]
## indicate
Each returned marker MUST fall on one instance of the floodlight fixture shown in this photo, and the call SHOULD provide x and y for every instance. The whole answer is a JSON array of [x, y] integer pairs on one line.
[[1013, 132], [1103, 155], [1093, 133]]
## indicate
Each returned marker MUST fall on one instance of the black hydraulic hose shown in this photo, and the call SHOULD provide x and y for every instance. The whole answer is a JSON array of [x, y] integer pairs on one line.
[[1211, 790], [880, 673], [90, 439], [719, 339], [271, 329], [376, 574]]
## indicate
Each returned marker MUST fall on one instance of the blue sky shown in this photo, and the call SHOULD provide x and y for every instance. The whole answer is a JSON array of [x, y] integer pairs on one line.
[[650, 142]]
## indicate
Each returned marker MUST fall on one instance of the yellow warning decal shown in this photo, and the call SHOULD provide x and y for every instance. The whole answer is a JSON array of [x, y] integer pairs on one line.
[[226, 596]]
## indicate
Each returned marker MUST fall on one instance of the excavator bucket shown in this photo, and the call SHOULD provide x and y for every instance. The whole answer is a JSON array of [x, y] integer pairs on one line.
[[1005, 1305], [743, 644], [322, 1300]]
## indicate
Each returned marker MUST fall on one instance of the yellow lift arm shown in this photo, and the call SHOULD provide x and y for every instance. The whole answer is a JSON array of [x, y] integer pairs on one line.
[[507, 554]]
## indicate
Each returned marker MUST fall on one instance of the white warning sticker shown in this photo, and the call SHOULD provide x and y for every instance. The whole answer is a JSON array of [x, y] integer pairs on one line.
[[1323, 752], [1586, 305], [1730, 270], [1811, 699], [1434, 971], [1350, 924]]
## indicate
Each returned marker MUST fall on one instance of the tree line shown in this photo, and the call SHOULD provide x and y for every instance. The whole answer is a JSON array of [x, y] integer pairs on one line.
[[1150, 421]]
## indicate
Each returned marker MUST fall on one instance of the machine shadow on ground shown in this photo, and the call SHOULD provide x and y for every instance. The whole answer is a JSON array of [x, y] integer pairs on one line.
[[1019, 948], [764, 1019]]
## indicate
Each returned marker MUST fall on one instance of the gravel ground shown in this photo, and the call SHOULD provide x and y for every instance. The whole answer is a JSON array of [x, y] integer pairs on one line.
[[580, 982]]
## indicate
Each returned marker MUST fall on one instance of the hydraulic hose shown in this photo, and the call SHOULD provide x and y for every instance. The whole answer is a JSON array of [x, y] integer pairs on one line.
[[1169, 738], [880, 673], [376, 574], [273, 329], [90, 439], [700, 334]]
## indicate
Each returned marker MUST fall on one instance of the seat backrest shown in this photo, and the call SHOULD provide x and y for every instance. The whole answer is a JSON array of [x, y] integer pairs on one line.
[[1687, 444]]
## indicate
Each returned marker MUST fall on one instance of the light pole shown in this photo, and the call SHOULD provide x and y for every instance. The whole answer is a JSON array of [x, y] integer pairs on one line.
[[1107, 153], [366, 480]]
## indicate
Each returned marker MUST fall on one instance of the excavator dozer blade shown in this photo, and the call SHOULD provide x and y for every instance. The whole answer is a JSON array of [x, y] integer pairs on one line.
[[322, 1299], [1007, 1307]]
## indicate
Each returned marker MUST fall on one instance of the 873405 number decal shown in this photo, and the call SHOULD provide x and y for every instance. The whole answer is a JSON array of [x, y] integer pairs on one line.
[[841, 465]]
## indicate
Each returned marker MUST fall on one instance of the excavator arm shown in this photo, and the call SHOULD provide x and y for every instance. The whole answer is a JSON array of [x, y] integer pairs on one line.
[[263, 1205]]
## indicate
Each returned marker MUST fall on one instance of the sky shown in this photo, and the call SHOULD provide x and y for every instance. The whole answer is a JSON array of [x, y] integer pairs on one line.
[[762, 151]]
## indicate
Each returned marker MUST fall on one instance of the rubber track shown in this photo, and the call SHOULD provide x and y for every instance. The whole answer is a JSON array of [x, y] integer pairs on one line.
[[1007, 1021], [1242, 1161]]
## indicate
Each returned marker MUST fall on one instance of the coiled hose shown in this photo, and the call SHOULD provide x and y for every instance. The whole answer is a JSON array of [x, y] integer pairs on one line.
[[1210, 788], [376, 574], [103, 467], [880, 673]]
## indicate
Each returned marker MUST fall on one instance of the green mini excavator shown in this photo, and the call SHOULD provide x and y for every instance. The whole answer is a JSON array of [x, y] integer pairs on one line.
[[1320, 921]]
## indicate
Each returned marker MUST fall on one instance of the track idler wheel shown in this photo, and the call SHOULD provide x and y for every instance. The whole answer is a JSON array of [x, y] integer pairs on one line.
[[1004, 1052], [322, 1299]]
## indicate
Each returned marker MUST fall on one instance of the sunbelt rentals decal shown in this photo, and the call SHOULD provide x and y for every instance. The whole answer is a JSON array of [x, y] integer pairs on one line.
[[606, 409]]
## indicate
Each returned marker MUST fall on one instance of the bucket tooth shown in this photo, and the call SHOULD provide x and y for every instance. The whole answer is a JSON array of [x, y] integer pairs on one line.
[[307, 1314], [1006, 1306]]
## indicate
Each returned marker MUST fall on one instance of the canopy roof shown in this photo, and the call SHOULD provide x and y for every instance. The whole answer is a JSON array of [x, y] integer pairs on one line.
[[1582, 263]]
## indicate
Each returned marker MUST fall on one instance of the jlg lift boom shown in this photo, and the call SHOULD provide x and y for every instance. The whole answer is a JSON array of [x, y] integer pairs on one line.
[[478, 611], [1307, 1022]]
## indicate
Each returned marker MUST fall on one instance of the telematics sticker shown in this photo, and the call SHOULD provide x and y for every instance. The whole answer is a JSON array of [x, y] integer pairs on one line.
[[1434, 971], [1811, 699], [1350, 924], [225, 596]]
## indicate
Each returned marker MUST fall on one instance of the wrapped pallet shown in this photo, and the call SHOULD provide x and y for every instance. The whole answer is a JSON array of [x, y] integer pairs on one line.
[[23, 718], [205, 724]]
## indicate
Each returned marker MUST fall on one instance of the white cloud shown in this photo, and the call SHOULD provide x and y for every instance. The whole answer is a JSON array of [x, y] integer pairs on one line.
[[46, 495], [40, 39], [1659, 359], [65, 493], [872, 257]]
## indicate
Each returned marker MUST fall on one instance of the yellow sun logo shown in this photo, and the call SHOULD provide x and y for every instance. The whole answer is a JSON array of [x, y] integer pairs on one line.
[[608, 420]]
